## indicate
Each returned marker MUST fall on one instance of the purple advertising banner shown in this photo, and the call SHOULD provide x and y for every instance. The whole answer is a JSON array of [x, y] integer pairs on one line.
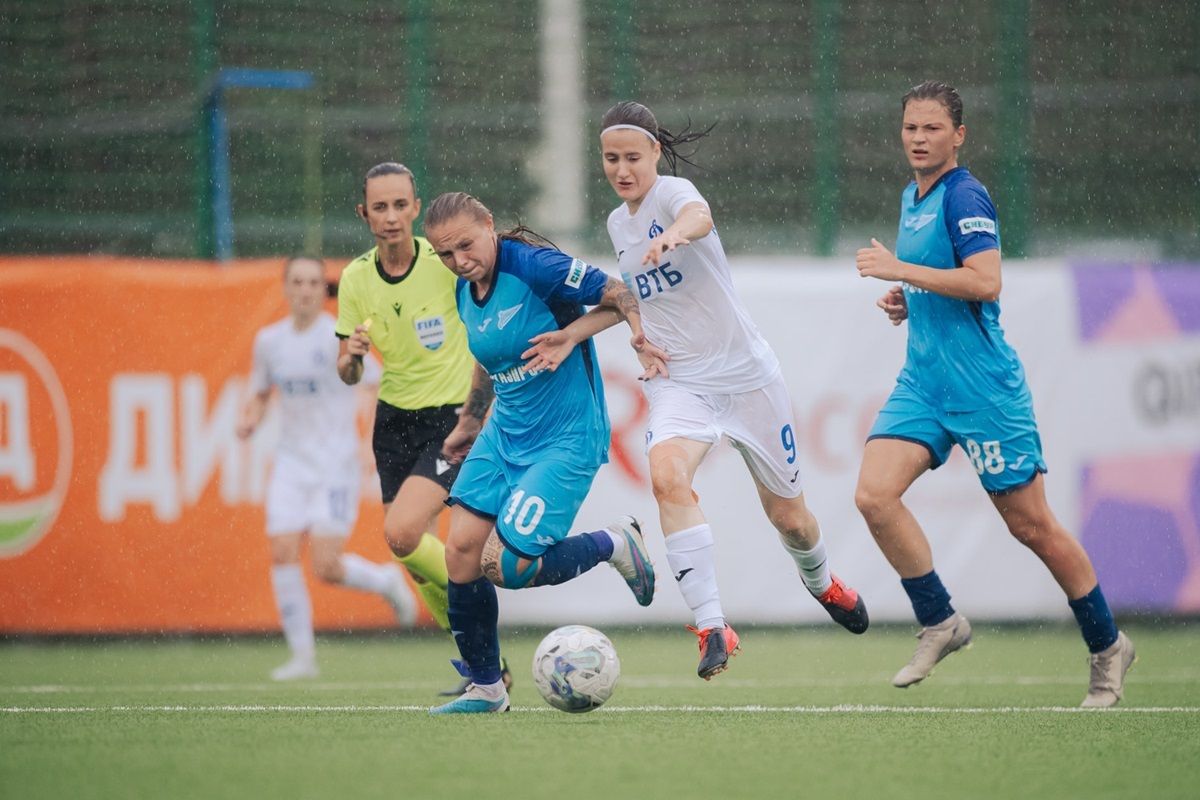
[[1140, 510]]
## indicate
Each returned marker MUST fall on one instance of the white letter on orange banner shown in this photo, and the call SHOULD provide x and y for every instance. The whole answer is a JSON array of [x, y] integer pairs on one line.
[[207, 437], [16, 455], [123, 481]]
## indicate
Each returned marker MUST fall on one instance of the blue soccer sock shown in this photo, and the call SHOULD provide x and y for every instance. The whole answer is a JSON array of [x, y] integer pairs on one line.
[[573, 556], [1095, 620], [930, 600], [474, 614]]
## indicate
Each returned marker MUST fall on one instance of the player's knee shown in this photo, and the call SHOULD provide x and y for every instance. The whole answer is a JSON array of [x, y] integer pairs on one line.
[[797, 526], [669, 478], [327, 570], [285, 550], [402, 538], [875, 501], [868, 501], [461, 558], [1035, 532]]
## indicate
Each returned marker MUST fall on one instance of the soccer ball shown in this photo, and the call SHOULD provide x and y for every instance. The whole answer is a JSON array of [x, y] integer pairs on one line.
[[576, 668]]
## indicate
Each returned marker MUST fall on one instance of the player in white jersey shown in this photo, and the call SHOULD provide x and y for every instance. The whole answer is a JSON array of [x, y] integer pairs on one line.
[[315, 478], [724, 379]]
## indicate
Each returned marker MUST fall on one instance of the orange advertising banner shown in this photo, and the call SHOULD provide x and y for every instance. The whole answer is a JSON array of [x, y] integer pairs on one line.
[[127, 502]]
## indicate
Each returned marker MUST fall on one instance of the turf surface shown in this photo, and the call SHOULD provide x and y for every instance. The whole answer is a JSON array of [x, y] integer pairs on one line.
[[805, 712]]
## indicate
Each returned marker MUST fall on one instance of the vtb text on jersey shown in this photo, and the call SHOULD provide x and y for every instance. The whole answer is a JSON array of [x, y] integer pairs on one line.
[[688, 303]]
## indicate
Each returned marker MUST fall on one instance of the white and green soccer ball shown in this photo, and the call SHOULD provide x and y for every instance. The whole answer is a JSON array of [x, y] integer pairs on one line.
[[576, 668]]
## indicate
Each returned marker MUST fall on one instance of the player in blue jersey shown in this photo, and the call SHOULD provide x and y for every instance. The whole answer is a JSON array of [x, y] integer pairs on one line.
[[962, 384], [526, 475]]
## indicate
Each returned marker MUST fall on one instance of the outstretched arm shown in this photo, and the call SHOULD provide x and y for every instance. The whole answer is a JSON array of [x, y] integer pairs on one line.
[[694, 222], [548, 350]]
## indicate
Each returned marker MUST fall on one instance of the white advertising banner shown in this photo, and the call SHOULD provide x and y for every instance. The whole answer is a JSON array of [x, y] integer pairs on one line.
[[1112, 355]]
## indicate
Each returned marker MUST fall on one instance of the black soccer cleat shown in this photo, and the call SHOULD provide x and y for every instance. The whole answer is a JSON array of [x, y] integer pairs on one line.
[[845, 606], [715, 650]]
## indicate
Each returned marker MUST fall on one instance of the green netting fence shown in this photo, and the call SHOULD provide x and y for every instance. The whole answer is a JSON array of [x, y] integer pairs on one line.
[[1083, 117]]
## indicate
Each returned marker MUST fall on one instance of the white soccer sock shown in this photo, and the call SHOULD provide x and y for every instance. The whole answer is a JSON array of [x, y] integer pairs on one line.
[[365, 575], [690, 554], [618, 543], [295, 610], [812, 566], [492, 691]]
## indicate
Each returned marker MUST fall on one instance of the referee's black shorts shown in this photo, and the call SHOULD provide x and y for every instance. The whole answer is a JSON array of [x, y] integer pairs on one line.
[[409, 442]]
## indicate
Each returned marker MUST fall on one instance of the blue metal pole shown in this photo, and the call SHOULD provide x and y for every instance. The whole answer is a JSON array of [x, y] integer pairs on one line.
[[222, 199], [222, 192]]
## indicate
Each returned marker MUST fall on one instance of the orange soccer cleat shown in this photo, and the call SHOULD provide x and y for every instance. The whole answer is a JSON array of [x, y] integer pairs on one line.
[[715, 650]]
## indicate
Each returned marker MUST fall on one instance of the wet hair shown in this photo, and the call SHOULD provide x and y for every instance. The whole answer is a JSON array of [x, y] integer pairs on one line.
[[453, 205], [388, 168], [631, 113], [943, 93]]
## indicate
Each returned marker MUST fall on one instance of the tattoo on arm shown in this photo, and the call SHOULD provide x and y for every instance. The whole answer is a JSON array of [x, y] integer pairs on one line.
[[620, 298], [481, 395]]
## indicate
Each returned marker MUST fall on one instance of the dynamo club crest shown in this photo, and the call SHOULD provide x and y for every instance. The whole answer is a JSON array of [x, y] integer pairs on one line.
[[431, 331]]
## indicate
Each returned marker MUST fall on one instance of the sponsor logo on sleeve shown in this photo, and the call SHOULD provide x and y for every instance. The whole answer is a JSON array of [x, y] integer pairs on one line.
[[575, 273], [977, 225]]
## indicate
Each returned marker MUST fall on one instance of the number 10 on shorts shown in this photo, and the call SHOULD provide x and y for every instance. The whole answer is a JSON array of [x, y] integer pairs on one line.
[[528, 514]]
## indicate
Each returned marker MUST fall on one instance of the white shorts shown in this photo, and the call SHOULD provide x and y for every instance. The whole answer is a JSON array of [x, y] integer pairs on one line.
[[760, 424], [326, 506]]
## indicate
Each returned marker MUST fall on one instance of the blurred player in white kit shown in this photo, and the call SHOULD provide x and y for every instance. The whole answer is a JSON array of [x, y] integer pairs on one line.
[[314, 487]]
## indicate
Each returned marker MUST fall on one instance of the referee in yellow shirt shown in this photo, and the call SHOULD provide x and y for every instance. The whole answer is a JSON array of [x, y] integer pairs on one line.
[[399, 297]]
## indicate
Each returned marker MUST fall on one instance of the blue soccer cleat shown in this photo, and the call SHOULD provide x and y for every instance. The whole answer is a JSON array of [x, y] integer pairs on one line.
[[634, 562], [475, 700]]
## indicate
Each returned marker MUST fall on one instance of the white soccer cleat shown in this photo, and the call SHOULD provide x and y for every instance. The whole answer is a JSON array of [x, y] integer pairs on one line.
[[634, 562], [296, 670], [476, 700], [401, 598], [937, 642], [1108, 673]]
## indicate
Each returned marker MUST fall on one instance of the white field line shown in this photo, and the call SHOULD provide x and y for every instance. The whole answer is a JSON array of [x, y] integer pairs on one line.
[[642, 682], [815, 710]]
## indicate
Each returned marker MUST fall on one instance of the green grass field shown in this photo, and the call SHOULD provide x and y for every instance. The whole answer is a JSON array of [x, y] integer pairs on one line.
[[805, 712]]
